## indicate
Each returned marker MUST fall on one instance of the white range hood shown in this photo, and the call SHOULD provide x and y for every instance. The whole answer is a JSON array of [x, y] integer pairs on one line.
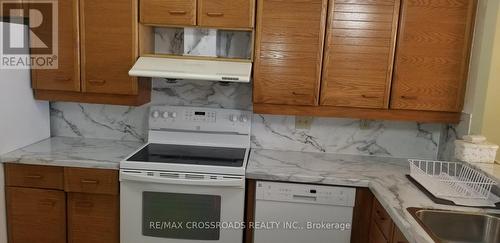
[[182, 68]]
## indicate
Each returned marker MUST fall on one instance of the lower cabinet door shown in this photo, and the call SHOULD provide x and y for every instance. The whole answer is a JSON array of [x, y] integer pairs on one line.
[[398, 236], [376, 235], [36, 215], [93, 218]]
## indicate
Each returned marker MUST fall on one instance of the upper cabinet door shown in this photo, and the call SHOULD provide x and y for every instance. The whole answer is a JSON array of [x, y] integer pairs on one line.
[[226, 13], [359, 54], [168, 12], [432, 56], [289, 50], [67, 75], [109, 45]]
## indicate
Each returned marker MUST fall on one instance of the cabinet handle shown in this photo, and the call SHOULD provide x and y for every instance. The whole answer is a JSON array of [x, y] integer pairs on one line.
[[409, 97], [178, 12], [97, 81], [62, 79], [296, 93], [379, 214], [86, 181], [215, 14], [84, 204], [33, 177], [47, 202], [369, 97]]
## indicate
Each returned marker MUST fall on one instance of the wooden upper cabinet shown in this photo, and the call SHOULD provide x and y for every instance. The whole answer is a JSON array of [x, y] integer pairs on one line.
[[168, 12], [432, 56], [288, 51], [36, 215], [67, 75], [359, 53], [226, 13], [109, 46]]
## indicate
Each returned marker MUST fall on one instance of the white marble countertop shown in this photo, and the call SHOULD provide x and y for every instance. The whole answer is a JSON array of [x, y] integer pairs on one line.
[[73, 152], [384, 176]]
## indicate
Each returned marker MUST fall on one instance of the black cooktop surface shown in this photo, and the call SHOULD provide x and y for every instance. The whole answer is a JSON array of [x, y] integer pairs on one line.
[[186, 154]]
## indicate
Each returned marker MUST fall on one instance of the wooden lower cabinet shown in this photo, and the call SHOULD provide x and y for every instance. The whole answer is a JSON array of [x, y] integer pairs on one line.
[[371, 223], [76, 214], [36, 215], [376, 235], [93, 218], [398, 237]]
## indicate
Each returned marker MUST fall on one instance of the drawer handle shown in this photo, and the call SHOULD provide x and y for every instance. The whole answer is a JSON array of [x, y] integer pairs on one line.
[[97, 81], [33, 177], [409, 97], [215, 14], [177, 12], [86, 181], [297, 93], [379, 214], [47, 202], [369, 96], [62, 79], [84, 204]]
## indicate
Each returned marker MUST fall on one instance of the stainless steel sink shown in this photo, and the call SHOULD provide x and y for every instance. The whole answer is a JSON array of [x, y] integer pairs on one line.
[[451, 226]]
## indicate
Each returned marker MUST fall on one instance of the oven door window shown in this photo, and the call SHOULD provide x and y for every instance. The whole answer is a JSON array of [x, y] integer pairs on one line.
[[181, 216]]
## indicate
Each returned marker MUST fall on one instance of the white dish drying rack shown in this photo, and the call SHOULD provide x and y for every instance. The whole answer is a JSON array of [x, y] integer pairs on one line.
[[451, 180]]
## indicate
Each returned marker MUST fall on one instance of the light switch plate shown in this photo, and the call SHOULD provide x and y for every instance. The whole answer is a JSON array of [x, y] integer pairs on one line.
[[303, 122]]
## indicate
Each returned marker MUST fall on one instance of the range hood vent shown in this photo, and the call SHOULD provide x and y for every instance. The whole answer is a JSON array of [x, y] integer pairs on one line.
[[182, 68]]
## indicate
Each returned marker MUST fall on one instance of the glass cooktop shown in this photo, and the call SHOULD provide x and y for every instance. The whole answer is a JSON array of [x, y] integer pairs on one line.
[[187, 154]]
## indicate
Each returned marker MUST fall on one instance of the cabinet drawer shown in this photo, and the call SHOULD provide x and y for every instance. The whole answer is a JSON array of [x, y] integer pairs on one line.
[[226, 13], [168, 12], [35, 176], [376, 235], [382, 219], [95, 181]]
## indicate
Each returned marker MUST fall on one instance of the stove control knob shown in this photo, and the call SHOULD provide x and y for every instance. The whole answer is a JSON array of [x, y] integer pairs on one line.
[[173, 114], [243, 118], [155, 114], [233, 118], [165, 114]]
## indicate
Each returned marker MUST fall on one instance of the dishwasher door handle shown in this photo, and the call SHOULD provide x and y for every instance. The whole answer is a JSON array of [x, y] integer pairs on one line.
[[140, 177], [305, 198]]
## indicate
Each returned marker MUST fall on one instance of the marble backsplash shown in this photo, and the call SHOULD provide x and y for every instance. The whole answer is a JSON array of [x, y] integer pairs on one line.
[[333, 135], [131, 123], [348, 136], [450, 133], [203, 42]]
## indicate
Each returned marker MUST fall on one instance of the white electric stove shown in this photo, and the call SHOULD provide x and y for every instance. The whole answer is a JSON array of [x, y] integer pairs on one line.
[[187, 184]]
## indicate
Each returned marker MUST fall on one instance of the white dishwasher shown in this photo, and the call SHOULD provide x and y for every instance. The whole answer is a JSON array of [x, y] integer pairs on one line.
[[301, 213]]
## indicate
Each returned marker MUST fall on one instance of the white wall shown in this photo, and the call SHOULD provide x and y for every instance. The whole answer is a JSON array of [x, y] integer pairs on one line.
[[481, 61]]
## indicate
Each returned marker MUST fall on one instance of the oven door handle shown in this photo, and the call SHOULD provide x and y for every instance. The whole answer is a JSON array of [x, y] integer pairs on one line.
[[139, 177]]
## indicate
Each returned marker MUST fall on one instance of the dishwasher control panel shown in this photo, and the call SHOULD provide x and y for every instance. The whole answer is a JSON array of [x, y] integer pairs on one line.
[[304, 193]]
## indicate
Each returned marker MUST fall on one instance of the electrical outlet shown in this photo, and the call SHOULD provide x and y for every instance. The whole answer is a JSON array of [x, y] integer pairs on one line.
[[303, 122], [364, 124]]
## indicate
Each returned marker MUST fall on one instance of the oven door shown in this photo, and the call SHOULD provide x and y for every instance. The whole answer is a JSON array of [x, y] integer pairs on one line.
[[177, 207]]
